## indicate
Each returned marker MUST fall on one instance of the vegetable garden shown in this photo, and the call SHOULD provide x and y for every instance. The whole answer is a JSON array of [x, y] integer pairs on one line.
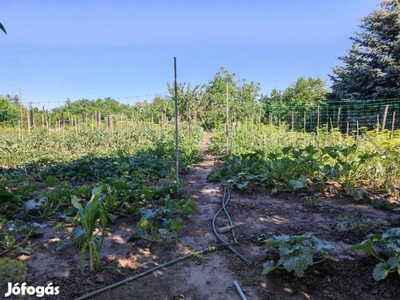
[[80, 184]]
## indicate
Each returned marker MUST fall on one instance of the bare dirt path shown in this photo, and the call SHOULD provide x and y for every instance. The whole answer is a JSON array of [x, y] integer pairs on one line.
[[205, 277]]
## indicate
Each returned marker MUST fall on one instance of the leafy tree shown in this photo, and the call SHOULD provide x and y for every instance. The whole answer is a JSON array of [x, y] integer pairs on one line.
[[9, 112], [164, 109], [12, 99], [302, 96], [243, 99], [105, 106], [372, 66], [189, 100]]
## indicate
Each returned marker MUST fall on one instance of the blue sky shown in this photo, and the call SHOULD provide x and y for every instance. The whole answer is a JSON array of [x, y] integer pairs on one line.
[[59, 49]]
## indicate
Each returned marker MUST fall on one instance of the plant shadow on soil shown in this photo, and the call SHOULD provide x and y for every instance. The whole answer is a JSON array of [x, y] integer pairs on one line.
[[211, 276]]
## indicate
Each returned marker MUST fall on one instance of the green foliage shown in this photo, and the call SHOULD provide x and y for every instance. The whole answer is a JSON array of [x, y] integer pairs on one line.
[[12, 270], [46, 207], [312, 200], [272, 157], [242, 99], [9, 112], [357, 223], [350, 166], [371, 67], [9, 203], [301, 97], [389, 260], [296, 252], [10, 240], [160, 224], [91, 217]]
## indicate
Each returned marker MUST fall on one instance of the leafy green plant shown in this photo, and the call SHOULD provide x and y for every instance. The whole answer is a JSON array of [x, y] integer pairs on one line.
[[46, 207], [357, 223], [91, 217], [12, 270], [312, 200], [296, 252], [350, 165], [161, 224], [9, 239], [115, 197], [9, 203], [385, 248], [250, 281]]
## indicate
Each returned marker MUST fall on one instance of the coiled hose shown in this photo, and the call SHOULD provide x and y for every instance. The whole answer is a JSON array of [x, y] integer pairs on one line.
[[225, 200]]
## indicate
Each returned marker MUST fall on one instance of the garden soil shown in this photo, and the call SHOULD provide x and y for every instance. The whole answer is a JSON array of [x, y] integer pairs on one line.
[[212, 275]]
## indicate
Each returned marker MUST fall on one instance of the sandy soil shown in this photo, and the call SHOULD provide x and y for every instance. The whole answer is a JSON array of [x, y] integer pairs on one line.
[[211, 276]]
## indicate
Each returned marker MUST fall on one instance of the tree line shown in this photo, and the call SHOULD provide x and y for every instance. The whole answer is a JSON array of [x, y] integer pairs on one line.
[[369, 71]]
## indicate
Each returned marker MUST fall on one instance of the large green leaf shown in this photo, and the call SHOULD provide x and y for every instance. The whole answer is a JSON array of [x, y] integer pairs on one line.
[[32, 204], [322, 246], [148, 213], [301, 183], [297, 258], [276, 240], [382, 269], [175, 226], [366, 246], [143, 224], [268, 267], [51, 181]]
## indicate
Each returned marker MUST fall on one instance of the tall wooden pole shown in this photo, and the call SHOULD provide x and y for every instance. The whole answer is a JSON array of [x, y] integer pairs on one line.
[[21, 116], [176, 131], [385, 117], [227, 122]]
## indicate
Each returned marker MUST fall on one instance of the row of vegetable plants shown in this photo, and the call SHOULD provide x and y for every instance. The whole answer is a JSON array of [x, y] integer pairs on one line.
[[332, 161], [88, 190], [362, 167]]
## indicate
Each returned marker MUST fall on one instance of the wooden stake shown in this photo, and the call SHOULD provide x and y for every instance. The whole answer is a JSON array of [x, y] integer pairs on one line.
[[384, 117], [393, 122], [358, 130], [21, 115], [227, 120]]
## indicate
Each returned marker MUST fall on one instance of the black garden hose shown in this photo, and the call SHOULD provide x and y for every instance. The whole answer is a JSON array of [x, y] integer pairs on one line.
[[225, 201], [126, 280]]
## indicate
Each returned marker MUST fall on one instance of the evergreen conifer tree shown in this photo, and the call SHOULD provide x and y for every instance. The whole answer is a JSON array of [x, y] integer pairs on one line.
[[371, 68]]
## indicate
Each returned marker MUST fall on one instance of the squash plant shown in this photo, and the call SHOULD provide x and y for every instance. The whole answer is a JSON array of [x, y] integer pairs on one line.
[[389, 259], [296, 252]]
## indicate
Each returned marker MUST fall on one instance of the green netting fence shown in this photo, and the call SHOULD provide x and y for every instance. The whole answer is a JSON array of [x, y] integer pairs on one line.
[[345, 115]]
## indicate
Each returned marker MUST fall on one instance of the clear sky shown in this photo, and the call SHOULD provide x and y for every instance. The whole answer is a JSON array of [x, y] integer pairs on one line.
[[59, 49]]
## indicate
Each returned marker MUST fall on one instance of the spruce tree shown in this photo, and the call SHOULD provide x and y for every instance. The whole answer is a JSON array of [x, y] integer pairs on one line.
[[371, 68]]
